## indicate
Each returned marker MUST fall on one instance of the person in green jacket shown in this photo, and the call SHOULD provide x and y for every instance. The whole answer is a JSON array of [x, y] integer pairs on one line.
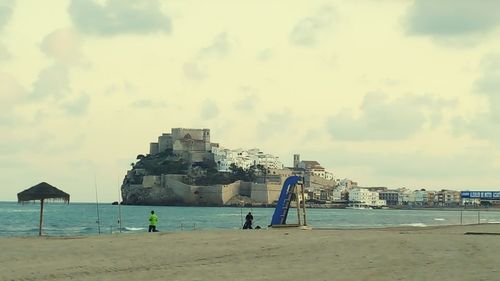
[[153, 222]]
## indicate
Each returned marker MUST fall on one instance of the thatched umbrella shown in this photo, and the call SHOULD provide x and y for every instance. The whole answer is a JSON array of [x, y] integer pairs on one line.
[[41, 192]]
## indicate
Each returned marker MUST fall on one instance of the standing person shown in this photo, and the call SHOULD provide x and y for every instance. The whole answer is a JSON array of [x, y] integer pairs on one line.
[[248, 221], [153, 221]]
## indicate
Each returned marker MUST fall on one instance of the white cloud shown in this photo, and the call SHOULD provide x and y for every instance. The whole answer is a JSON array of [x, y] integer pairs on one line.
[[218, 48], [265, 55], [382, 118], [63, 45], [484, 125], [193, 71], [11, 95], [6, 8], [276, 123], [4, 53], [209, 110], [148, 104], [52, 82], [445, 19], [307, 31], [78, 106], [119, 17], [247, 103]]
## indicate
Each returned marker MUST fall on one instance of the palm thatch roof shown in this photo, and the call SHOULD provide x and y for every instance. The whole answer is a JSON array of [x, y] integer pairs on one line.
[[42, 191]]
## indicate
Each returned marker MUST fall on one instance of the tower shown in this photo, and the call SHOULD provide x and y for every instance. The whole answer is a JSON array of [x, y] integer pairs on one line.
[[206, 139], [296, 160]]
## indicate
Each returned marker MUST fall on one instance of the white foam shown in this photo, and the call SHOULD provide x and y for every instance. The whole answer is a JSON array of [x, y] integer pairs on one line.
[[416, 224], [439, 219], [134, 228]]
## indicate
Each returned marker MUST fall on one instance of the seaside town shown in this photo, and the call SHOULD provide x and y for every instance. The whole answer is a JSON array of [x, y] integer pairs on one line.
[[184, 168], [249, 140]]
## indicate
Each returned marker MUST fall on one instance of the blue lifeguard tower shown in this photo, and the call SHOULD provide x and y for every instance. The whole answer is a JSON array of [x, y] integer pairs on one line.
[[292, 191]]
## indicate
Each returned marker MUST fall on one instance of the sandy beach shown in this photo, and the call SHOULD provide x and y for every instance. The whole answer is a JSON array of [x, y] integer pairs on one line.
[[434, 253]]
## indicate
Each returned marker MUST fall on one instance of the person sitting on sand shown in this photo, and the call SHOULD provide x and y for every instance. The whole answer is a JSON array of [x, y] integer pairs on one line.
[[153, 221], [248, 221]]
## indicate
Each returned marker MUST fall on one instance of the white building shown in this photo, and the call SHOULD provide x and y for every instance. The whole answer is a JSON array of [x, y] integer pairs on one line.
[[419, 198], [244, 158], [365, 197]]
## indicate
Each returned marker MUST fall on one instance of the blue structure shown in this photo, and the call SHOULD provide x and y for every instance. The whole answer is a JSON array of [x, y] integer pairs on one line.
[[483, 195], [283, 205]]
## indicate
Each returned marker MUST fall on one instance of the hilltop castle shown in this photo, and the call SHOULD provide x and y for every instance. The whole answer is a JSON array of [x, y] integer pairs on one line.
[[192, 144]]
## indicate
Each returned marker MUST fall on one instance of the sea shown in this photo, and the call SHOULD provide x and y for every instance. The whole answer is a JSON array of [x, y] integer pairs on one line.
[[83, 219]]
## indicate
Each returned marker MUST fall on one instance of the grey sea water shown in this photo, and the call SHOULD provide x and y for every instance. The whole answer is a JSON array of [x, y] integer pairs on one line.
[[78, 219]]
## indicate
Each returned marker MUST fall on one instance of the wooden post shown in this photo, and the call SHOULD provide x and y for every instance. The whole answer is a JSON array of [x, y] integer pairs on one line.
[[41, 218], [303, 203], [297, 199]]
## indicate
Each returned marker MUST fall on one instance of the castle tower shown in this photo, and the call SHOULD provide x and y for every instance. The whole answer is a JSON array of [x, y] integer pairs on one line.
[[206, 139], [206, 135], [296, 160]]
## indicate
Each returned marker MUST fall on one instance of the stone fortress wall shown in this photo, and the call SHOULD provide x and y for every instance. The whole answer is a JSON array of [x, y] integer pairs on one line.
[[169, 189]]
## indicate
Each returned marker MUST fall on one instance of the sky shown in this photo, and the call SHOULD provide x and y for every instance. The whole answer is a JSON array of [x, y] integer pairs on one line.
[[383, 92]]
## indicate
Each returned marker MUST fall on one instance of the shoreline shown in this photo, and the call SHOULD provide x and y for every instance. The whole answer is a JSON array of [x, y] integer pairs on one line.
[[270, 206]]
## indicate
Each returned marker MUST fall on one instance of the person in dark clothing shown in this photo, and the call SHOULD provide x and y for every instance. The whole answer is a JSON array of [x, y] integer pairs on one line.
[[248, 221]]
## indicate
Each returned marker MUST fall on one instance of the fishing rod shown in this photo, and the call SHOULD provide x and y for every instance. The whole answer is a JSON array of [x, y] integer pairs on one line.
[[119, 206], [97, 206]]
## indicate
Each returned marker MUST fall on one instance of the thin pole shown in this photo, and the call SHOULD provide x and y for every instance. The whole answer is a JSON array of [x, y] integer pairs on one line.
[[298, 203], [461, 217], [303, 203], [241, 215], [97, 207], [41, 218], [119, 206]]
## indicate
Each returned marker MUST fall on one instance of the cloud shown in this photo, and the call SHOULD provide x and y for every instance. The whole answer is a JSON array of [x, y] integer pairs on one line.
[[249, 99], [307, 31], [192, 71], [276, 123], [52, 82], [148, 104], [382, 118], [218, 48], [62, 45], [11, 95], [489, 82], [4, 53], [418, 165], [265, 55], [11, 91], [449, 18], [6, 7], [119, 17], [209, 110], [79, 106], [484, 125]]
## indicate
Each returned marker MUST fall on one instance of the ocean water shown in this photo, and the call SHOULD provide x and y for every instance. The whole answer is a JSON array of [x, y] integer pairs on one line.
[[76, 219]]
